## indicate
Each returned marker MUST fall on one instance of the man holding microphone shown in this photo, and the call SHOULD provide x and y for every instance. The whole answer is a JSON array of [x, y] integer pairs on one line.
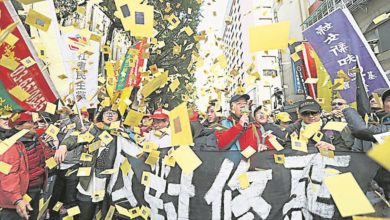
[[241, 132]]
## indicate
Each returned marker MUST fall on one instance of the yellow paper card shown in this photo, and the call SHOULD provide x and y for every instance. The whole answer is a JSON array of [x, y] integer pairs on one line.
[[327, 153], [174, 85], [122, 211], [7, 143], [346, 194], [381, 18], [154, 84], [58, 206], [144, 212], [51, 163], [38, 20], [9, 63], [134, 212], [279, 158], [295, 57], [268, 37], [85, 138], [109, 171], [27, 62], [180, 126], [11, 39], [380, 153], [50, 108], [19, 93], [52, 131], [248, 152], [5, 167], [338, 84], [73, 211], [26, 198], [169, 161], [125, 167], [335, 125], [110, 213], [133, 118], [311, 129], [318, 136], [275, 143], [106, 138], [299, 145], [149, 146], [84, 171], [311, 80], [86, 157], [186, 159], [243, 179]]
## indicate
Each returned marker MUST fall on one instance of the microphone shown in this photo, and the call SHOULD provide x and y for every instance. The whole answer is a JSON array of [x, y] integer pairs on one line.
[[245, 111]]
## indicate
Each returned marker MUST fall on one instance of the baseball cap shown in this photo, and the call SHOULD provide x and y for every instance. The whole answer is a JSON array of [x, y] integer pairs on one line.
[[283, 117], [235, 98], [159, 114], [309, 105], [385, 95]]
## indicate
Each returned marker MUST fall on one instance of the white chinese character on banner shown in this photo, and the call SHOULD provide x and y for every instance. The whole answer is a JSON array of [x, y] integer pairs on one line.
[[371, 75], [322, 29], [248, 199], [331, 37], [346, 85], [309, 194], [341, 47], [347, 60]]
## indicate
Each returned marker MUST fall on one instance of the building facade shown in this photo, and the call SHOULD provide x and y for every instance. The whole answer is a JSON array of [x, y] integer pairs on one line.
[[240, 16]]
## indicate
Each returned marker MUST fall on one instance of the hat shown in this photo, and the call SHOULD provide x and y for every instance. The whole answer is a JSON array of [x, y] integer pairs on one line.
[[283, 117], [17, 118], [235, 98], [159, 114], [257, 109], [309, 105], [385, 95]]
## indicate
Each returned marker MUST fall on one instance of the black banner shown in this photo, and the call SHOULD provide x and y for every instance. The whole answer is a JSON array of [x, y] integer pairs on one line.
[[307, 195]]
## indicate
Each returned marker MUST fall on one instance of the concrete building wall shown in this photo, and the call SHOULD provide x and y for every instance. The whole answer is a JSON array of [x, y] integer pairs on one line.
[[295, 11], [365, 16], [245, 14]]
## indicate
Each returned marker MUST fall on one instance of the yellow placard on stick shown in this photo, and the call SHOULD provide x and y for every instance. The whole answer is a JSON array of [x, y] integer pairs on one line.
[[180, 126]]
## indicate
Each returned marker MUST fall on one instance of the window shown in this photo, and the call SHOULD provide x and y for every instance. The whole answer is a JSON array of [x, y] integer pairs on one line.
[[125, 11]]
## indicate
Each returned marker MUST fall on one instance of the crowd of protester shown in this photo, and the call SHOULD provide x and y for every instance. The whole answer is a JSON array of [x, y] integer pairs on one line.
[[242, 128]]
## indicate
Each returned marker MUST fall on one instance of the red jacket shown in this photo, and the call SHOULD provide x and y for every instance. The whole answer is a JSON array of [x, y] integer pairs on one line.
[[247, 138], [14, 185], [28, 170]]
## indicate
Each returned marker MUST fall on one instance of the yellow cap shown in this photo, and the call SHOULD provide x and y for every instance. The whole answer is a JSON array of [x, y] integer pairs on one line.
[[283, 117]]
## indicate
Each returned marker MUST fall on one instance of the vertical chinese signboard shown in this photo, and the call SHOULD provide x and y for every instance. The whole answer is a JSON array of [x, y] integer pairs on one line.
[[340, 44]]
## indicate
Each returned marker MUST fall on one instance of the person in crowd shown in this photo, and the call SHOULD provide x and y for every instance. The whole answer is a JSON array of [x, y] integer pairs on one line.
[[343, 139], [4, 128], [66, 181], [365, 132], [262, 118], [212, 118], [310, 113], [283, 119], [92, 184], [242, 132], [28, 173], [159, 132]]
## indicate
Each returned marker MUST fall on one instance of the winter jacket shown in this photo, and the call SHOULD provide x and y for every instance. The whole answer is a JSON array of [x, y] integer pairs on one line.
[[296, 127], [100, 162], [238, 138], [15, 184]]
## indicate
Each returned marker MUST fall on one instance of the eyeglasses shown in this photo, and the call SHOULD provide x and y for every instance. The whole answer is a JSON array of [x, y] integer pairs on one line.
[[310, 113], [337, 103], [110, 113]]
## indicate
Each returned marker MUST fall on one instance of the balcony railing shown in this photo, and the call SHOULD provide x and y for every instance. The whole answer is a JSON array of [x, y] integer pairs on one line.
[[329, 6]]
